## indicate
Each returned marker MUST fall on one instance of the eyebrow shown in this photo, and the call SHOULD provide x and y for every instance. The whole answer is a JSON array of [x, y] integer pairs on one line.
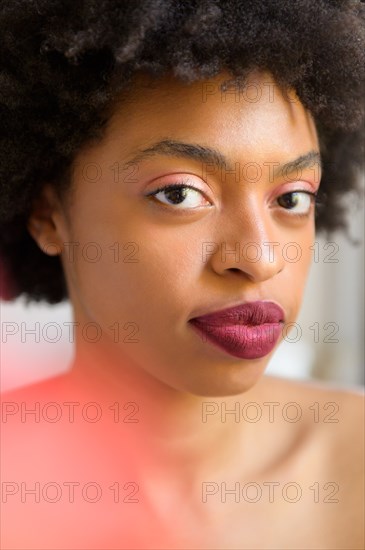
[[208, 155]]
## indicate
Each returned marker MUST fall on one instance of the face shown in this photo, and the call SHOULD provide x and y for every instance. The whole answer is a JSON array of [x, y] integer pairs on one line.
[[140, 263]]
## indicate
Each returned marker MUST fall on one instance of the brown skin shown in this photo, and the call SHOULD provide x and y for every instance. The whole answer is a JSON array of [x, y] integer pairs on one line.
[[170, 372], [171, 281]]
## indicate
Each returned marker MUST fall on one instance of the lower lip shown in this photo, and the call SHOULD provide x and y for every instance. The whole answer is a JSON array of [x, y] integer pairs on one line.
[[243, 341]]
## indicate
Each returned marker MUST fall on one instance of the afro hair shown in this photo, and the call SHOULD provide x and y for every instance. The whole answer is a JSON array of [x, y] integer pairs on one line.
[[64, 62]]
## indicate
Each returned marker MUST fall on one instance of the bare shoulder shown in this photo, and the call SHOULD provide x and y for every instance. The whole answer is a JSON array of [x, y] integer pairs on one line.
[[331, 455], [47, 388], [330, 418], [326, 402]]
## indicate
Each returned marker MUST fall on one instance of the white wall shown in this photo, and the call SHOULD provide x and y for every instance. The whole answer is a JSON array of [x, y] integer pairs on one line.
[[334, 296]]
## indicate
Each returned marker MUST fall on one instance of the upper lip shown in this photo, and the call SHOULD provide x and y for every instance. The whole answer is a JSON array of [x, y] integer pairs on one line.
[[248, 313]]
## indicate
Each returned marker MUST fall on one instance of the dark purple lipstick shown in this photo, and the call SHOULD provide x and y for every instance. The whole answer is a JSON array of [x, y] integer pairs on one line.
[[247, 331]]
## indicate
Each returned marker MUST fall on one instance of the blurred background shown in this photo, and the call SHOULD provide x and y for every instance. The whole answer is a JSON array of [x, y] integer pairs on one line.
[[327, 342]]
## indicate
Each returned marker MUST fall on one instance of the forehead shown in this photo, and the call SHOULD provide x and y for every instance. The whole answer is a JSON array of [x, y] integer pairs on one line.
[[257, 119]]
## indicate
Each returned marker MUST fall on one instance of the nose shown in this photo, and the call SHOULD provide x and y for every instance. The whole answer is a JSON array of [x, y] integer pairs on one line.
[[251, 248]]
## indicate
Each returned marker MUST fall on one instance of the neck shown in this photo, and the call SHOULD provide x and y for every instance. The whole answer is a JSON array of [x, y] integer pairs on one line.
[[169, 428]]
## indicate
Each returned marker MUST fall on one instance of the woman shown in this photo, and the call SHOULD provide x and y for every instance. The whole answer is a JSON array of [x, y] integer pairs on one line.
[[159, 160]]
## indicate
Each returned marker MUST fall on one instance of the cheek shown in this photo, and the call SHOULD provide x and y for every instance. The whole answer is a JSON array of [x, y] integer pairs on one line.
[[298, 256], [131, 273]]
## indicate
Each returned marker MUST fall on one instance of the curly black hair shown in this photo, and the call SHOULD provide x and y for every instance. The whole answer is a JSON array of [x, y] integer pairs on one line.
[[64, 62]]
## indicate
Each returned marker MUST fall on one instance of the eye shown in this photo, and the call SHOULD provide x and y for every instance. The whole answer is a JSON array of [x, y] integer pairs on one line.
[[298, 202], [180, 196]]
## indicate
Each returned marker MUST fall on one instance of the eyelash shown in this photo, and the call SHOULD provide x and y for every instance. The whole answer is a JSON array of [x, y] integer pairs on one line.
[[314, 201], [180, 184], [183, 184]]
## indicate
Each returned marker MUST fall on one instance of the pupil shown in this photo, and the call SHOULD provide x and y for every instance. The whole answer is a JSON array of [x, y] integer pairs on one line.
[[176, 195], [289, 200]]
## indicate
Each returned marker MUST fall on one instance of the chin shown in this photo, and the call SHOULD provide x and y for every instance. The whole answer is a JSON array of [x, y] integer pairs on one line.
[[226, 381]]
